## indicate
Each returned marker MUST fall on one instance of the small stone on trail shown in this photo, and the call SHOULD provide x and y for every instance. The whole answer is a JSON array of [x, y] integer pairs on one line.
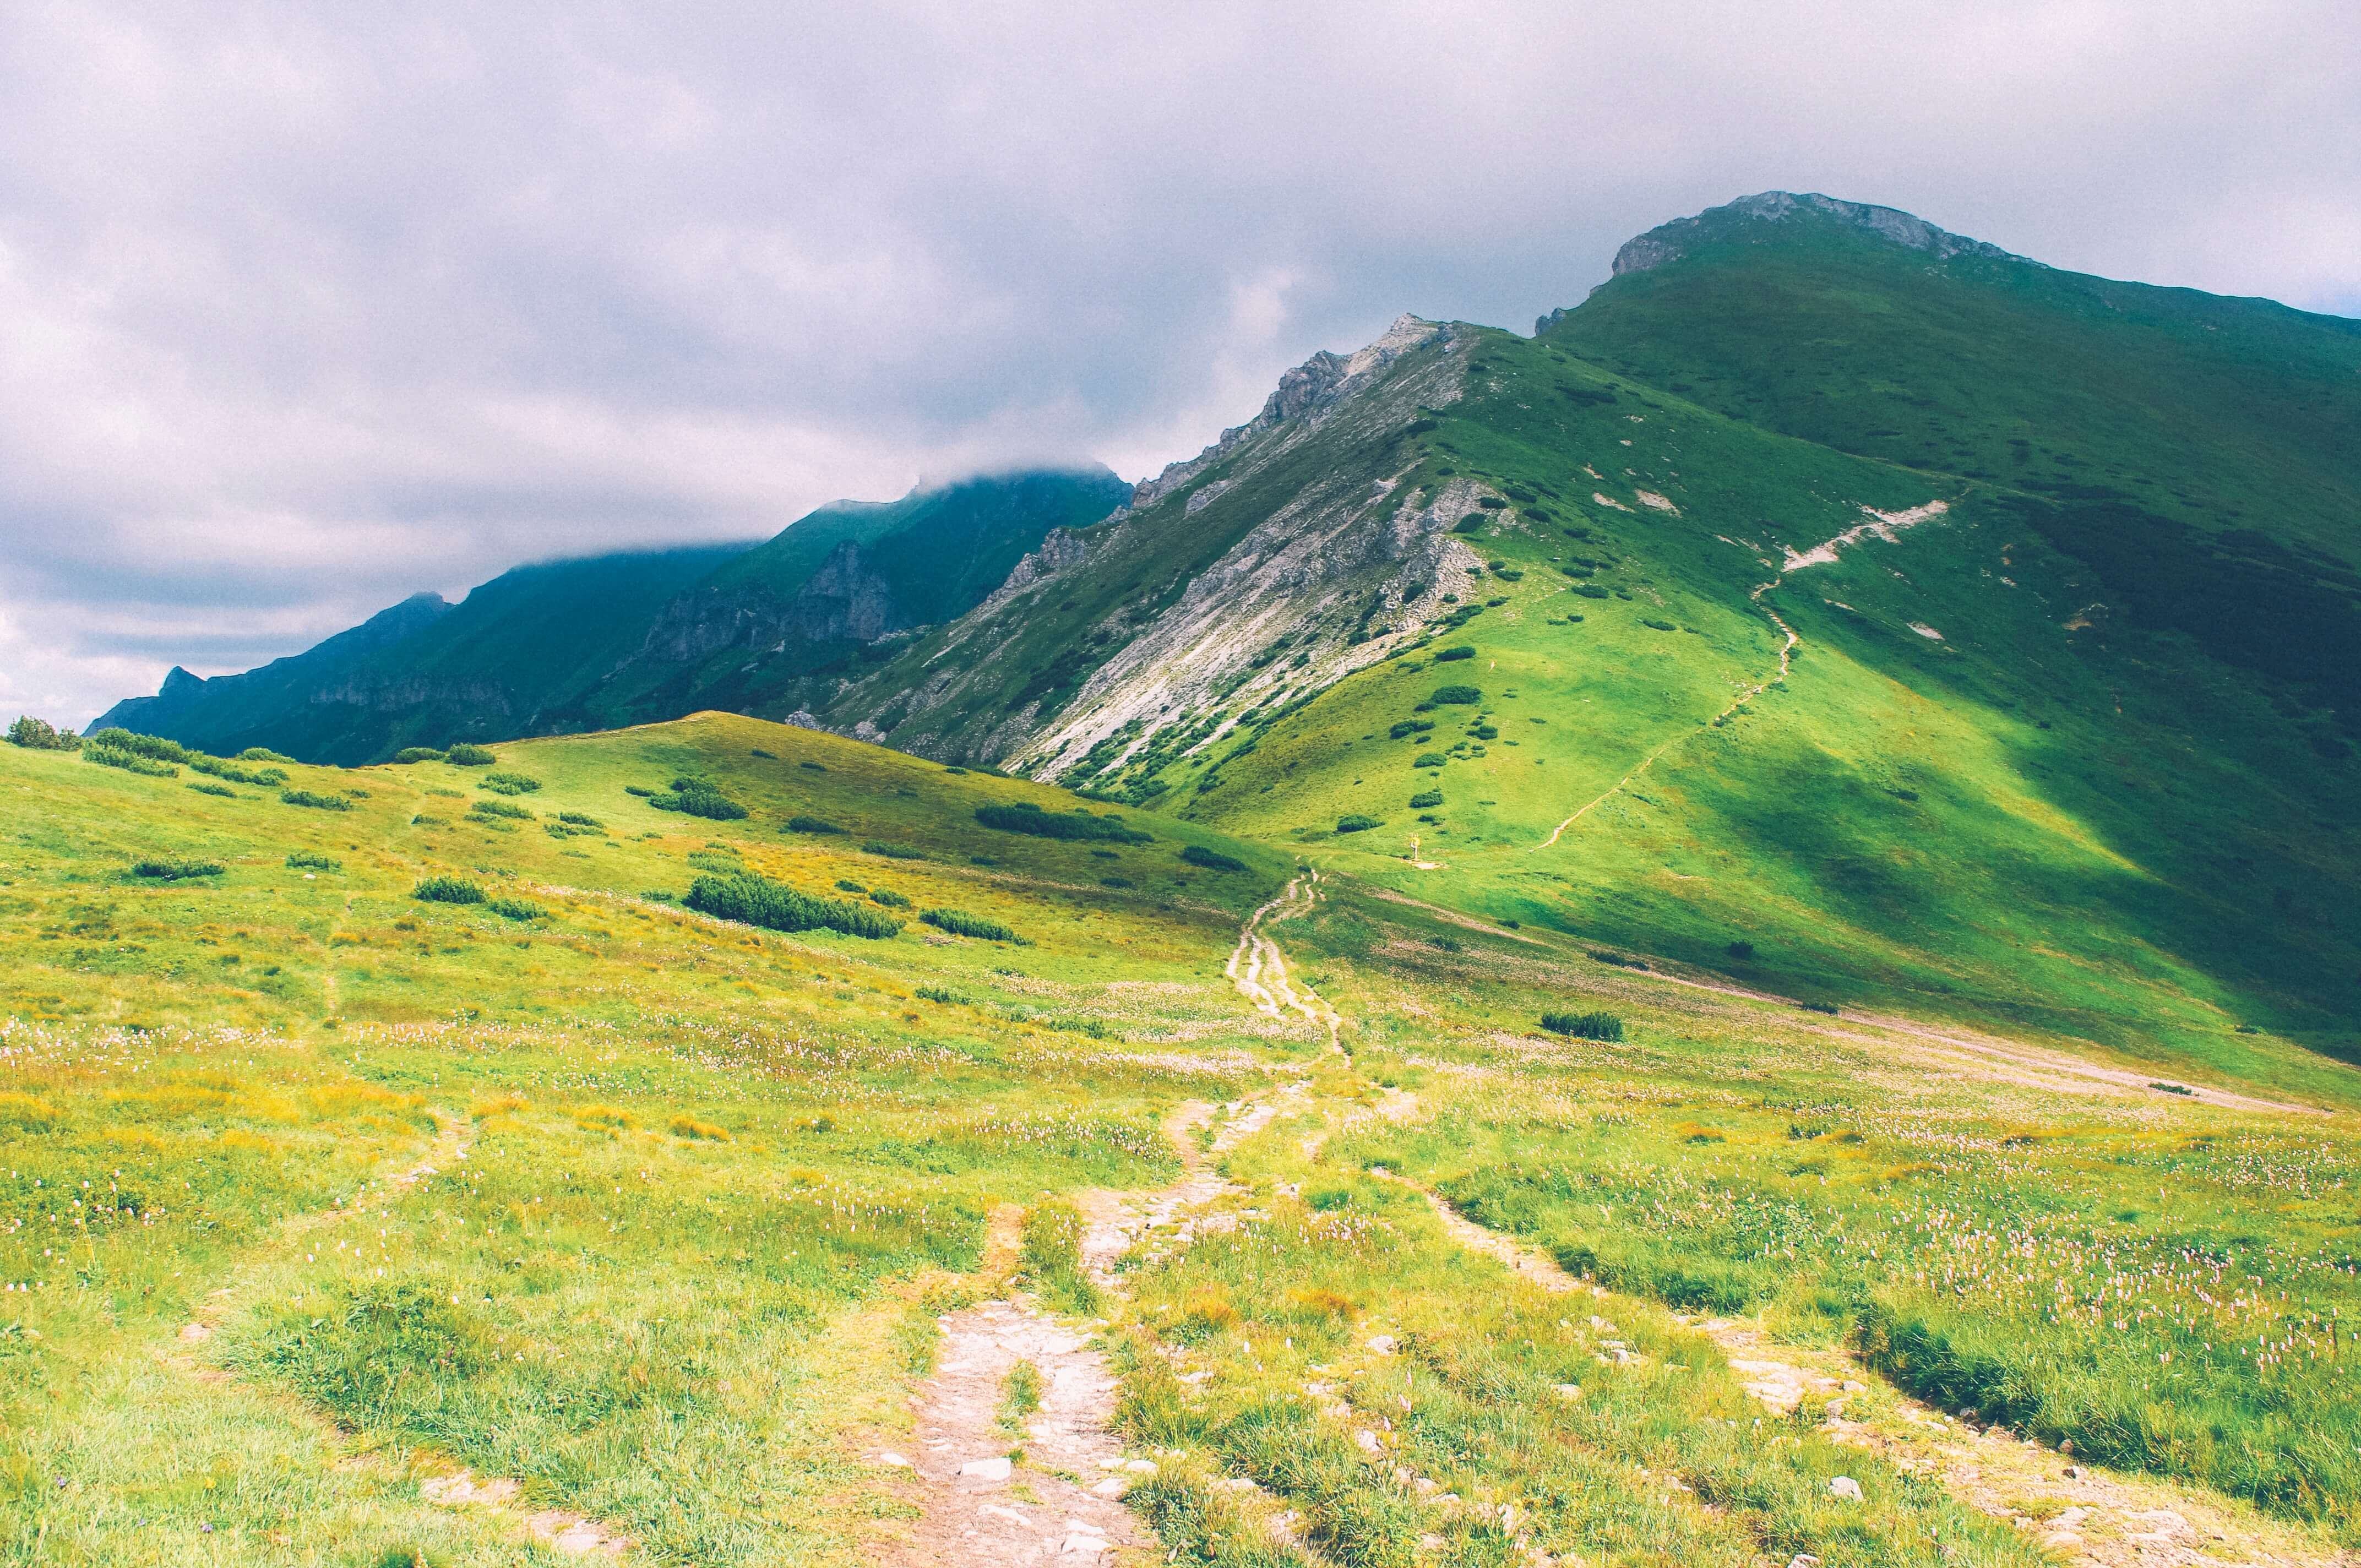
[[1844, 1486], [893, 1459], [1382, 1344], [996, 1468]]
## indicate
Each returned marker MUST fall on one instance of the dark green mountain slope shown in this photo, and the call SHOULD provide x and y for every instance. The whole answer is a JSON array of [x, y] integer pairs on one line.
[[1499, 621], [426, 671], [585, 644]]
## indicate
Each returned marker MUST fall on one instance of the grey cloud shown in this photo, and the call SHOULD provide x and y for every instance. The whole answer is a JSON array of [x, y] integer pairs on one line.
[[312, 307]]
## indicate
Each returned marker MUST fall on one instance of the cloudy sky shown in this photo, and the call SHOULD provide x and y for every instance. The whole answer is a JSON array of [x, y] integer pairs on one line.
[[304, 308]]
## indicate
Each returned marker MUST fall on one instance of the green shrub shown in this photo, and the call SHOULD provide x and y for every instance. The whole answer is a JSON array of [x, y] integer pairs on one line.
[[955, 770], [316, 801], [447, 890], [937, 993], [1490, 503], [40, 735], [1430, 760], [155, 748], [1449, 655], [1115, 881], [1356, 823], [1584, 1026], [267, 778], [175, 871], [699, 797], [640, 790], [889, 899], [1462, 696], [1471, 524], [221, 789], [766, 756], [507, 808], [845, 884], [1658, 625], [129, 761], [1590, 590], [808, 824], [1023, 817], [1740, 949], [1599, 955], [1212, 860], [581, 819], [1426, 798], [516, 909], [707, 860], [959, 923], [755, 900], [265, 754], [892, 851], [419, 754], [815, 767], [1409, 727], [508, 784], [463, 755], [304, 861]]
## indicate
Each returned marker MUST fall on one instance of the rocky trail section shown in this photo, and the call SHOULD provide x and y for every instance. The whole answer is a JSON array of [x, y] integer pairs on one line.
[[1061, 1503], [1259, 969]]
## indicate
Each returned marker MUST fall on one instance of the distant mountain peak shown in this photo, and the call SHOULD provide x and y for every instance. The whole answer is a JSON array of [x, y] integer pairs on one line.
[[1669, 242]]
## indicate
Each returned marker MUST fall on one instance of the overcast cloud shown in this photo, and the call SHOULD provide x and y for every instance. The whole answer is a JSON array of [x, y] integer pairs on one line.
[[306, 308]]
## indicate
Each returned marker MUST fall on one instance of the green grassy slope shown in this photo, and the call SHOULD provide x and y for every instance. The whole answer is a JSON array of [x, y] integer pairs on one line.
[[2090, 830], [700, 1192]]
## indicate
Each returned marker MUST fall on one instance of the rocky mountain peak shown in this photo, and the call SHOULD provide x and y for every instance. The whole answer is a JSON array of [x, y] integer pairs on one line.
[[1669, 242]]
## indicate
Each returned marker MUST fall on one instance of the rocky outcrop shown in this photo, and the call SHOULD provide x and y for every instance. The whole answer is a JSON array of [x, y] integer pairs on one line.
[[845, 600], [1669, 242]]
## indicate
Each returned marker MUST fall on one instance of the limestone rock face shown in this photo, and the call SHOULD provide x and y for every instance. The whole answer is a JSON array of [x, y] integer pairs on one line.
[[1669, 242]]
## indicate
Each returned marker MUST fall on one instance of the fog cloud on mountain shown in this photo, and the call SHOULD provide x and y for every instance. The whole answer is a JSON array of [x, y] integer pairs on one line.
[[309, 308]]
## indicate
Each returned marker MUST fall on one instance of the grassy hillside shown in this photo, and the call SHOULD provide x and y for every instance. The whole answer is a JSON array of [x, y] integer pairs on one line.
[[318, 1189]]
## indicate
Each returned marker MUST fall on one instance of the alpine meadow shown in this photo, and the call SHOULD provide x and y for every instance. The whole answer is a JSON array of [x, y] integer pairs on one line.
[[1726, 933]]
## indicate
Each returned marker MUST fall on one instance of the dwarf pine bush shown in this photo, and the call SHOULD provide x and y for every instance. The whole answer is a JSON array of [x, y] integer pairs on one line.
[[175, 871], [447, 890], [1584, 1026], [466, 756], [315, 800], [40, 735], [1023, 817], [418, 754], [960, 923], [1212, 860], [516, 909], [755, 900]]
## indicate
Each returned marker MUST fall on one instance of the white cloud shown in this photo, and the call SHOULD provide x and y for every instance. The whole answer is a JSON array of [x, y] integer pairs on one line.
[[309, 308]]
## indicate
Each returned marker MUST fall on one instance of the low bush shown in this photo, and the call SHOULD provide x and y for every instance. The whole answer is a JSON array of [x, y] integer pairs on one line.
[[937, 993], [315, 800], [580, 819], [265, 754], [1584, 1026], [516, 909], [304, 861], [1409, 727], [1590, 590], [889, 899], [1451, 655], [1463, 697], [1114, 882], [754, 900], [699, 797], [959, 923], [1490, 503], [447, 890], [508, 784], [766, 756], [808, 824], [266, 777], [463, 755], [507, 808], [1426, 798], [845, 884], [1658, 625], [129, 761], [40, 735], [1471, 524], [1356, 823], [815, 767], [640, 790], [221, 789], [1740, 949], [155, 748], [1212, 860], [1430, 760], [175, 871], [1827, 1007], [1026, 817], [892, 851], [419, 754]]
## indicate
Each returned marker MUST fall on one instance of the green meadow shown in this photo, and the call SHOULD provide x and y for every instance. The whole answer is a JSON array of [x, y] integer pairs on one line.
[[348, 1146]]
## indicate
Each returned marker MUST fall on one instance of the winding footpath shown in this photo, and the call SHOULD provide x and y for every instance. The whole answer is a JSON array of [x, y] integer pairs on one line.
[[1883, 525]]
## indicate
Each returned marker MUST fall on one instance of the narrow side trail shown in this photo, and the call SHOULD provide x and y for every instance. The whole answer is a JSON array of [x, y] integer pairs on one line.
[[2081, 1515], [452, 1487]]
